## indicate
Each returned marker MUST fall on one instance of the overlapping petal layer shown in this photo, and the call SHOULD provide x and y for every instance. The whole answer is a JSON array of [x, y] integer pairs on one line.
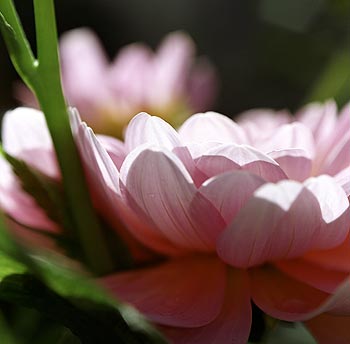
[[236, 215]]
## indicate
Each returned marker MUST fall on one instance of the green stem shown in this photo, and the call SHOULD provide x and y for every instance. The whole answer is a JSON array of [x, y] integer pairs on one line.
[[19, 49], [46, 84]]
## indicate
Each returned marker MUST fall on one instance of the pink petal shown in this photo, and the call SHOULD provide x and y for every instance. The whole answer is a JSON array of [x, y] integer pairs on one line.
[[230, 191], [18, 204], [343, 179], [101, 172], [129, 75], [335, 211], [25, 136], [103, 179], [318, 277], [172, 64], [337, 258], [162, 188], [280, 220], [330, 329], [338, 156], [295, 163], [144, 128], [259, 124], [228, 157], [115, 149], [321, 119], [82, 75], [233, 323], [284, 298], [211, 126], [203, 85], [290, 136], [175, 293]]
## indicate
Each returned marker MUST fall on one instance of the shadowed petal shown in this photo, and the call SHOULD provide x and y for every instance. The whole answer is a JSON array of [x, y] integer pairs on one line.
[[230, 191], [233, 323], [285, 298], [328, 329], [324, 279], [337, 258], [295, 163], [18, 204], [187, 292], [115, 149]]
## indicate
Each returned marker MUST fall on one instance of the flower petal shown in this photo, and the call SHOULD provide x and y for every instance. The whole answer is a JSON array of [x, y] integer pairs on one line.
[[259, 124], [129, 76], [343, 179], [290, 136], [80, 76], [101, 172], [330, 329], [25, 136], [144, 128], [294, 162], [335, 211], [211, 126], [337, 258], [172, 63], [287, 299], [230, 191], [338, 156], [115, 149], [280, 220], [321, 119], [233, 323], [326, 280], [228, 157], [187, 292], [18, 204], [163, 189], [103, 178]]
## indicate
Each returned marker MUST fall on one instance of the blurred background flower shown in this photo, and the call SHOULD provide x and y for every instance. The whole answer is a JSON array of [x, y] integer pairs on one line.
[[268, 53], [169, 82]]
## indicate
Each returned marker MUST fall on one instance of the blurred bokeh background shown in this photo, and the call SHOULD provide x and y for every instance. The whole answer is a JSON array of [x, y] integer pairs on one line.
[[268, 53]]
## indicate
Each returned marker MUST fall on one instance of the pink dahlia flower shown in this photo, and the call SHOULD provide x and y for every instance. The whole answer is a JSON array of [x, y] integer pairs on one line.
[[169, 82], [254, 211]]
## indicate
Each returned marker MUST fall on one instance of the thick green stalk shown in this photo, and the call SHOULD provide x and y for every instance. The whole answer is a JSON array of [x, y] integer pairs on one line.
[[45, 82], [18, 47]]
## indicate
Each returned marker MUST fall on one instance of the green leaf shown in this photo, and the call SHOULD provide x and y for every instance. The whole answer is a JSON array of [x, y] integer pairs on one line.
[[52, 286], [9, 266], [61, 278], [7, 335], [89, 325]]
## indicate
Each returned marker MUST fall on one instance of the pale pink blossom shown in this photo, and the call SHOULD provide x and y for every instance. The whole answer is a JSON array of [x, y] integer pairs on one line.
[[238, 217], [169, 82]]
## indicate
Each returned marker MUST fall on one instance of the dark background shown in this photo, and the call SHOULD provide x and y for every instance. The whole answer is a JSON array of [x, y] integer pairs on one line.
[[268, 53]]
